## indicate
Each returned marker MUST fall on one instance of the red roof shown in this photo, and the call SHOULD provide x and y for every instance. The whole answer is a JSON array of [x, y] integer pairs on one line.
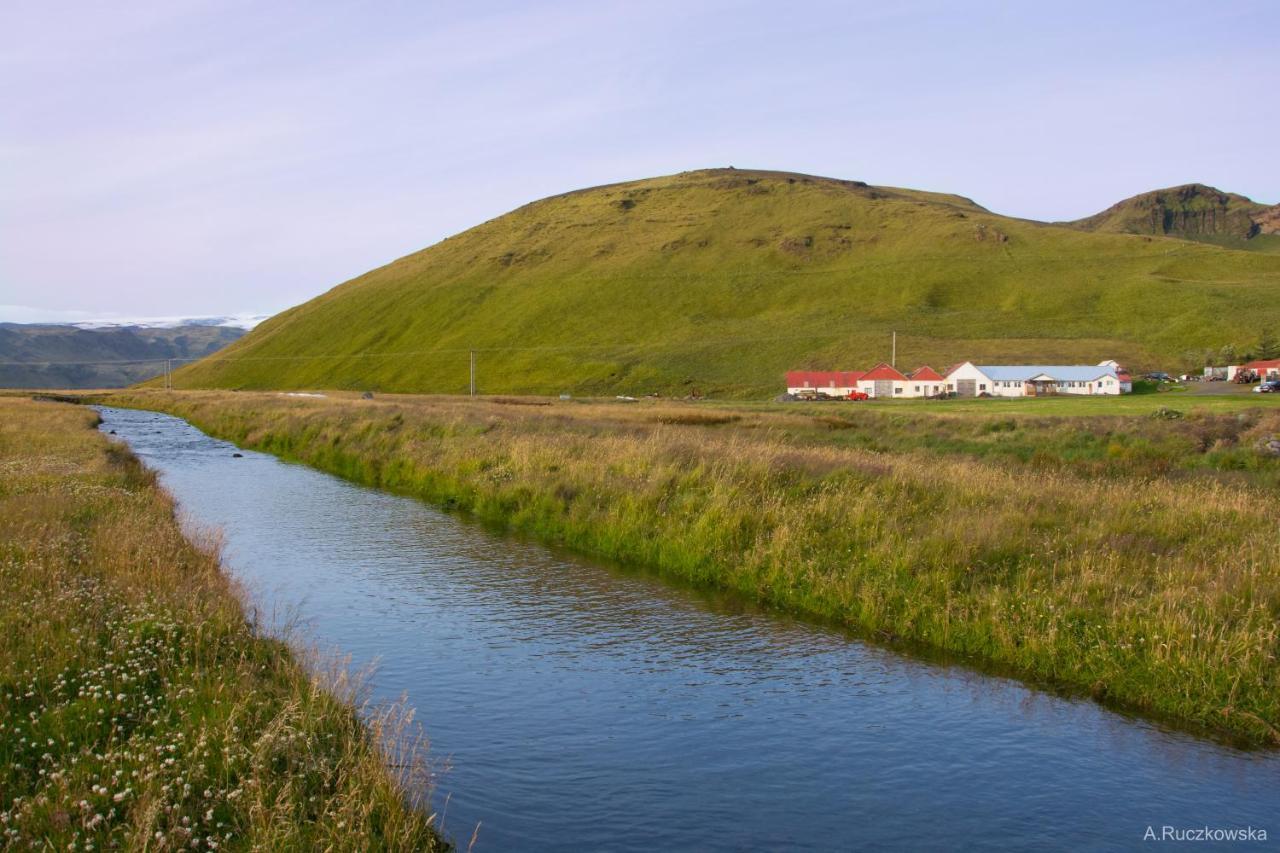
[[1262, 364], [926, 372], [883, 371], [822, 378]]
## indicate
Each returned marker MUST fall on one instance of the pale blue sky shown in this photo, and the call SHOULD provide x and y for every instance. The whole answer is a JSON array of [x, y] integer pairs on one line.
[[190, 157]]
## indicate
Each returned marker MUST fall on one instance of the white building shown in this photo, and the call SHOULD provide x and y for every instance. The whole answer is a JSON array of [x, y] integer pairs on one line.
[[1032, 380]]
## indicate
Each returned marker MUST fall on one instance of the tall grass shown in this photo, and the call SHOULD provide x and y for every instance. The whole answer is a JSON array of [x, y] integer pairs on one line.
[[1152, 588], [138, 709]]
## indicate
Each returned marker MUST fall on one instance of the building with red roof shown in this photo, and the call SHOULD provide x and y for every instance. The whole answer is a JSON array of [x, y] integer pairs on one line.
[[884, 381], [833, 383], [1265, 368], [926, 382]]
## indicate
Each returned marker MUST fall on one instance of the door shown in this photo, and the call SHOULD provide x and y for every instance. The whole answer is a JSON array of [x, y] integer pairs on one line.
[[884, 388], [966, 387]]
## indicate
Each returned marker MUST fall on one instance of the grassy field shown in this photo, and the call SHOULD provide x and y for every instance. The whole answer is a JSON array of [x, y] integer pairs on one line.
[[138, 710], [1129, 556], [719, 281]]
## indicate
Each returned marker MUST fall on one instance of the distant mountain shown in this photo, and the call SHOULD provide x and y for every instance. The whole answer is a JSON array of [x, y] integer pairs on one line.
[[720, 280], [1192, 212], [231, 321], [100, 355]]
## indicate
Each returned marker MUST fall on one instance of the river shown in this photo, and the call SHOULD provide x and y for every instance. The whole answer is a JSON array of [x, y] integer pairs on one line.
[[582, 707]]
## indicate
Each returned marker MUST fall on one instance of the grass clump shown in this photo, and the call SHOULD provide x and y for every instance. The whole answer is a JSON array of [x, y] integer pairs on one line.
[[138, 709], [1113, 555]]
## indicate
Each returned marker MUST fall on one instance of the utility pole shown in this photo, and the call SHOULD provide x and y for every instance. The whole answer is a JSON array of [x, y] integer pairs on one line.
[[168, 374], [473, 373], [893, 359]]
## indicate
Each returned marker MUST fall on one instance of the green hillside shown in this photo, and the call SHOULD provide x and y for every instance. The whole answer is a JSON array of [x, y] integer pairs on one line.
[[720, 280], [1193, 212]]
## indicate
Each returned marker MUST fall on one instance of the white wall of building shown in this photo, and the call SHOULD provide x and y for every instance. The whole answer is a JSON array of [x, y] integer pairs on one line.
[[1104, 384]]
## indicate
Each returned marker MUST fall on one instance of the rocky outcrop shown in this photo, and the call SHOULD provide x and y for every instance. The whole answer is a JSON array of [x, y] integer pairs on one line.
[[1267, 220], [1191, 211]]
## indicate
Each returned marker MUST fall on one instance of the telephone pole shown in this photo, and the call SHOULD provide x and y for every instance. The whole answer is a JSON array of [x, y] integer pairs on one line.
[[473, 373], [893, 358]]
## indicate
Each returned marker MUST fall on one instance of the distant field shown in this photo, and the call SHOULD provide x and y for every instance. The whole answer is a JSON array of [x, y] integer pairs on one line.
[[1080, 543]]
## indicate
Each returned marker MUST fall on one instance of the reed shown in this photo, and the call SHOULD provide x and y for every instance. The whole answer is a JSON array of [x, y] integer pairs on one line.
[[138, 709], [1112, 556]]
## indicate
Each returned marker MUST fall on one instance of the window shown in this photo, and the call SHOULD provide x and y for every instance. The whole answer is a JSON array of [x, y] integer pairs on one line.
[[982, 387], [897, 389]]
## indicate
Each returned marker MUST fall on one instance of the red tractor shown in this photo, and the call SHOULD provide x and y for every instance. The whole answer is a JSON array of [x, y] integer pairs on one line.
[[858, 395]]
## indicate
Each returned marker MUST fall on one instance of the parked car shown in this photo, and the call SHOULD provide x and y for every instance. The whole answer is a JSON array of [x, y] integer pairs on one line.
[[1271, 386], [1159, 376]]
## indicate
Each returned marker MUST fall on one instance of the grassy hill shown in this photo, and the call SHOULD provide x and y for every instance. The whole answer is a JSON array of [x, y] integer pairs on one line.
[[1193, 212], [720, 280], [58, 356]]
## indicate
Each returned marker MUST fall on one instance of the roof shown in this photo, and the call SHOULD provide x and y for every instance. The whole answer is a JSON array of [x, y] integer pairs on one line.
[[926, 372], [1262, 363], [1060, 372], [822, 378], [883, 371]]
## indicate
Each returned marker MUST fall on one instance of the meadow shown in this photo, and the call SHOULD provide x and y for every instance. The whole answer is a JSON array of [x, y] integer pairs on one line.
[[1130, 557], [138, 707]]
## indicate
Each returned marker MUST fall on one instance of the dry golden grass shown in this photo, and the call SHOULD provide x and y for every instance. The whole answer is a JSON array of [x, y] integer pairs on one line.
[[138, 709]]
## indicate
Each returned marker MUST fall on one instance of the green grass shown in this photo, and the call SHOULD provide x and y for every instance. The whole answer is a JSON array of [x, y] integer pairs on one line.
[[719, 281], [138, 710], [1127, 556]]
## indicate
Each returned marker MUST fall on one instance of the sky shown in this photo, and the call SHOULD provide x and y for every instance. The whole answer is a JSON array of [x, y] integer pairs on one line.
[[184, 157]]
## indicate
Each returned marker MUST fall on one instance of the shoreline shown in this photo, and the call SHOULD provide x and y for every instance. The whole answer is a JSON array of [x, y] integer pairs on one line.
[[671, 496], [163, 718]]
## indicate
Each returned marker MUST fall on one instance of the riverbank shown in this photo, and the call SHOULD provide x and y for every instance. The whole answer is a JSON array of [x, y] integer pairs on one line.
[[138, 708], [1131, 558]]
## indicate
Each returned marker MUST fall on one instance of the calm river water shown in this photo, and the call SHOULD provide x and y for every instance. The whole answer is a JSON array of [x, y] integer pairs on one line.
[[585, 708]]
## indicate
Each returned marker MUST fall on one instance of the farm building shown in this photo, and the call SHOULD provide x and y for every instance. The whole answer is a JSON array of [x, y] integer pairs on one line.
[[1033, 380], [1267, 368], [1126, 381], [883, 381], [833, 383], [926, 382]]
